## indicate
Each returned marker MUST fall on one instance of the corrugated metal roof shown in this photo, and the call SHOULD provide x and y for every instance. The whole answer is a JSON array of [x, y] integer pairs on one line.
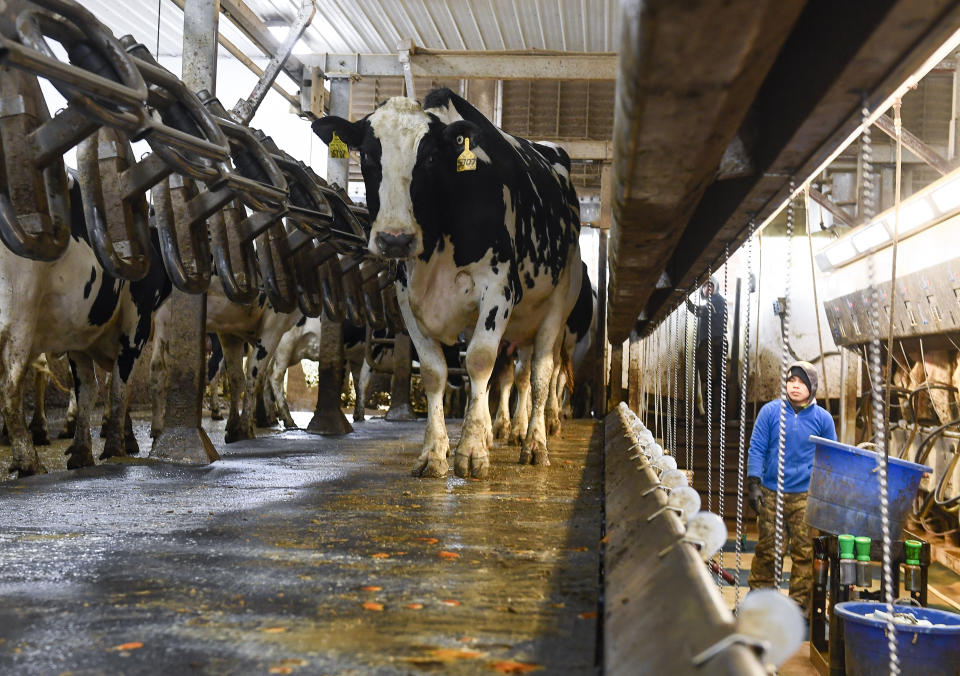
[[378, 26]]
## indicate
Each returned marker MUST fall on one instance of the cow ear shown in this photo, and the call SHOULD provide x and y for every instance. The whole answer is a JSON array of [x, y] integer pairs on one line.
[[349, 132]]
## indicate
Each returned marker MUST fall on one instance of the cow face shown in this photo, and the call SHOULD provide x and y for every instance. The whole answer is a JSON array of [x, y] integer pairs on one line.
[[404, 156]]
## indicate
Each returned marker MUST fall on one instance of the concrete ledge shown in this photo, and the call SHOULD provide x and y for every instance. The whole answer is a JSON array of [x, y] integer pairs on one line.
[[659, 612]]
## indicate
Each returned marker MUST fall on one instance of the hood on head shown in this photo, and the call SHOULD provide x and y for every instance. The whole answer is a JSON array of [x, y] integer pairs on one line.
[[811, 372]]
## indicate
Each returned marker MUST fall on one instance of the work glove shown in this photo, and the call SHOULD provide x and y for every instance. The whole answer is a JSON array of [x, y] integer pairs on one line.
[[754, 494]]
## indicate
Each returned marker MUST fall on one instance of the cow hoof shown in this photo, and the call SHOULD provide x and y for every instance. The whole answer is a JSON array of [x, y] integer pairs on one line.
[[238, 435], [216, 415], [290, 425], [526, 457], [79, 457], [476, 465], [432, 468], [69, 430], [41, 438], [501, 430], [553, 427], [534, 454], [22, 468]]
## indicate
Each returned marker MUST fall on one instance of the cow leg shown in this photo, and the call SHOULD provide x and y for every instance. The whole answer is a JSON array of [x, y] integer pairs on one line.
[[80, 452], [275, 386], [38, 424], [521, 411], [432, 461], [362, 376], [233, 365], [70, 418], [119, 440], [216, 406], [552, 413], [501, 424], [214, 370], [534, 449], [258, 364], [476, 435], [14, 350]]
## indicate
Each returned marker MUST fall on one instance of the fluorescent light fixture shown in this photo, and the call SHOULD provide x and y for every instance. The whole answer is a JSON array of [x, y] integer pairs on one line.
[[871, 236], [279, 33], [912, 216], [840, 252], [589, 210], [947, 196]]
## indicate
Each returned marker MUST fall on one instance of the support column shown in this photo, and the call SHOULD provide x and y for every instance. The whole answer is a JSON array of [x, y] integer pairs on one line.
[[849, 378], [183, 438], [400, 408], [600, 389], [483, 96], [338, 167], [328, 417], [615, 394], [633, 373]]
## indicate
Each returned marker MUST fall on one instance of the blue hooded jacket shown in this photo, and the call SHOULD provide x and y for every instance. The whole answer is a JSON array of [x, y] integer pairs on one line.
[[798, 449]]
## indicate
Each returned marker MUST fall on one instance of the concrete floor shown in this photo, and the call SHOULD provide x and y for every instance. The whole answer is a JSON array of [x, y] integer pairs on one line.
[[303, 554]]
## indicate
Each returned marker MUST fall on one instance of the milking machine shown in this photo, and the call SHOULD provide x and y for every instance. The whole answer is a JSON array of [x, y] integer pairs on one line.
[[224, 195]]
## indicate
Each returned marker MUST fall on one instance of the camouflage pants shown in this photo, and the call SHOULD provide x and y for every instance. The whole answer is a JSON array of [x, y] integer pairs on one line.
[[798, 543]]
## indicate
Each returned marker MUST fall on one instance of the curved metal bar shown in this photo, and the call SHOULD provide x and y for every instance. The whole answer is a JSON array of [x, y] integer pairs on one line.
[[334, 304], [353, 292], [117, 224], [259, 181], [279, 280], [184, 244], [309, 292], [34, 207], [391, 308], [101, 79], [189, 139], [372, 301], [234, 257]]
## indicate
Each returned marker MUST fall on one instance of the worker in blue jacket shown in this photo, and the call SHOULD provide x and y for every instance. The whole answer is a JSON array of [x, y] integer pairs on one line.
[[804, 417]]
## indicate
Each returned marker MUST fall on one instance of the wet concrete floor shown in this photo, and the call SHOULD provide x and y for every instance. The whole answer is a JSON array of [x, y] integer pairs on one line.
[[298, 554]]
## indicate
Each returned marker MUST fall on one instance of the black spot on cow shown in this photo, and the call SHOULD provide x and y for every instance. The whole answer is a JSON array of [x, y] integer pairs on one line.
[[302, 321], [506, 313], [507, 292], [582, 313], [491, 322], [261, 351], [89, 285], [528, 279], [353, 335], [254, 371], [215, 360]]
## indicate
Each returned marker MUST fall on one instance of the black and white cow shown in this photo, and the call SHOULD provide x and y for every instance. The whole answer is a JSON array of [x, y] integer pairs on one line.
[[71, 305], [488, 227]]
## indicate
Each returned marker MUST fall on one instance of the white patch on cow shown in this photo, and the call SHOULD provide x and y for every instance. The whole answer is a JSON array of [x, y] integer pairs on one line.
[[399, 124]]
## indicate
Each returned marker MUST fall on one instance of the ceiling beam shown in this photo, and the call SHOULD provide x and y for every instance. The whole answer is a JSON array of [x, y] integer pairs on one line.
[[487, 65], [835, 209], [808, 105], [688, 73], [914, 145], [253, 27]]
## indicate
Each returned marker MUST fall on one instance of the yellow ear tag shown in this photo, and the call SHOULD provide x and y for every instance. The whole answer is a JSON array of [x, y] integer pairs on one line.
[[467, 161], [338, 149]]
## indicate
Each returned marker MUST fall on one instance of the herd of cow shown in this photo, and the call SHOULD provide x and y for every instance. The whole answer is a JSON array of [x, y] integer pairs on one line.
[[484, 228]]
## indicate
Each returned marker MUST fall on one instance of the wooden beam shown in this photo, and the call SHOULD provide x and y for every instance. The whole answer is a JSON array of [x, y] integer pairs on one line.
[[504, 65], [250, 24], [914, 145], [837, 211]]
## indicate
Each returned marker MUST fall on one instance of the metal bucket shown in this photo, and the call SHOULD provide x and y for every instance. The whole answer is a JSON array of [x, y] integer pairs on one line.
[[844, 492]]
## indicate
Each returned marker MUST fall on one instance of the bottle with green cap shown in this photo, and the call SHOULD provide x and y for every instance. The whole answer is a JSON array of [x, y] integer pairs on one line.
[[911, 566], [848, 563], [864, 571]]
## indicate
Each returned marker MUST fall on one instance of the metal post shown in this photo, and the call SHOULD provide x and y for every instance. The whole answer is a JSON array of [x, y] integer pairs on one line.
[[183, 438], [849, 376], [633, 373], [600, 389], [328, 418], [400, 408], [615, 394], [338, 170]]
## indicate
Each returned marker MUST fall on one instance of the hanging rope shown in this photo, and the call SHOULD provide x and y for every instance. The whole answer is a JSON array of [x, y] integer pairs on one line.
[[784, 367], [670, 411], [723, 389], [876, 393], [741, 443], [676, 392], [688, 389], [756, 356], [813, 279], [708, 396]]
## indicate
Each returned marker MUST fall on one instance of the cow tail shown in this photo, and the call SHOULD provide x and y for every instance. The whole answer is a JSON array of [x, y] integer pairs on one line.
[[567, 366]]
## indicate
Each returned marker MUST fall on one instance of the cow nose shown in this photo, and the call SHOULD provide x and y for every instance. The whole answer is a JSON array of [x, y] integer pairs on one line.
[[395, 246]]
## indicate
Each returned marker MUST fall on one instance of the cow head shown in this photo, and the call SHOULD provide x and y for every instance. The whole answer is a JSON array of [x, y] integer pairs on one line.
[[406, 156]]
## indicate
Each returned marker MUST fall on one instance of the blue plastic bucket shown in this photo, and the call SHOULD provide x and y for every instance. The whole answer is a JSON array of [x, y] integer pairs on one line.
[[929, 651], [845, 490]]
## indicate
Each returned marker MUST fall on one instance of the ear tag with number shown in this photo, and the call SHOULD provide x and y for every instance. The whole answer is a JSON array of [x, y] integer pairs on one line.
[[338, 149], [467, 161]]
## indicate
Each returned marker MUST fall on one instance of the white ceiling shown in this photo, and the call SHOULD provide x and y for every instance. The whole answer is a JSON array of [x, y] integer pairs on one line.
[[378, 26]]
